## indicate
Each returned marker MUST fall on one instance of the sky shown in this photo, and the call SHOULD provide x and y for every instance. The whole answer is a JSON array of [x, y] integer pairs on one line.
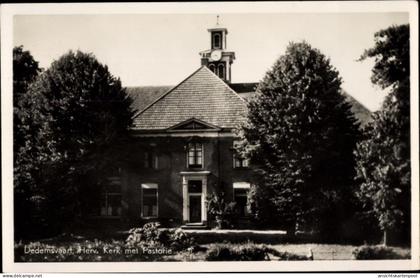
[[162, 49]]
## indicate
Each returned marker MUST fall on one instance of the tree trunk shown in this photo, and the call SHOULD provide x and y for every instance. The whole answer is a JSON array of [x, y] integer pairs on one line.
[[385, 243]]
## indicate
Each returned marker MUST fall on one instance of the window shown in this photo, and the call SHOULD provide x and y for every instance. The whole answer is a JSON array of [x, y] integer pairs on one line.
[[150, 160], [110, 201], [149, 200], [221, 71], [239, 162], [111, 204], [195, 155], [216, 41], [240, 191]]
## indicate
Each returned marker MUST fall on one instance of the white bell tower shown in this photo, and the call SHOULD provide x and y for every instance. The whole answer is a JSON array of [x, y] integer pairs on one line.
[[218, 59]]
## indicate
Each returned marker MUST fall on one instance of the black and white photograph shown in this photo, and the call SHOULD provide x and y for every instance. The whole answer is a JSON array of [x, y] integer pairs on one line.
[[211, 132]]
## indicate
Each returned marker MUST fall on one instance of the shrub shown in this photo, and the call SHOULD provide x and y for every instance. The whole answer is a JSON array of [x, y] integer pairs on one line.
[[377, 253], [248, 252], [152, 235], [236, 252], [286, 256], [220, 210], [180, 240]]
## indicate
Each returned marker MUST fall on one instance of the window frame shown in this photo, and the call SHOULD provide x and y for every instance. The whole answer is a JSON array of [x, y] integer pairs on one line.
[[106, 195], [195, 166], [221, 66], [219, 45], [108, 189], [212, 67], [149, 186], [151, 160], [242, 186], [243, 162]]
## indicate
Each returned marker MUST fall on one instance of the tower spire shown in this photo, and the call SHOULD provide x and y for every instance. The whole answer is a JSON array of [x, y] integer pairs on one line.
[[217, 20]]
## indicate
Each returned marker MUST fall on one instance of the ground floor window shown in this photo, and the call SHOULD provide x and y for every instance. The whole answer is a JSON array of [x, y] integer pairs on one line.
[[149, 200], [111, 204], [111, 195], [240, 191]]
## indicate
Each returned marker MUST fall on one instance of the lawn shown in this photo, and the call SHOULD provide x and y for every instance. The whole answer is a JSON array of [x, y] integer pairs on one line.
[[319, 251]]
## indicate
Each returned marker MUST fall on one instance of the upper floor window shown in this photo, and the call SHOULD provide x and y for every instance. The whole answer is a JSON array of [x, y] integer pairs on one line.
[[217, 43], [239, 162], [114, 172], [195, 155], [150, 160]]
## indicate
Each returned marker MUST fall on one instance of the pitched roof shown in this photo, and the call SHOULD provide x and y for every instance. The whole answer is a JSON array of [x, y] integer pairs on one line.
[[360, 111], [143, 96], [245, 90], [202, 95]]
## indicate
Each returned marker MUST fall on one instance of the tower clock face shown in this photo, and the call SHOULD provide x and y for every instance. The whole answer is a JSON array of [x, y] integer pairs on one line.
[[216, 55]]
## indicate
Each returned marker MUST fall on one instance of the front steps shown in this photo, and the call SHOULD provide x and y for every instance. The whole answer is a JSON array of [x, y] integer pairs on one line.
[[194, 226]]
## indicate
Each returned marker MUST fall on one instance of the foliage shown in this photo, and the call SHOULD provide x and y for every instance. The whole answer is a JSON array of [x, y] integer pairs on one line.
[[28, 129], [301, 134], [236, 252], [153, 236], [392, 55], [74, 120], [383, 156], [220, 210], [247, 252], [368, 252], [25, 70], [286, 256]]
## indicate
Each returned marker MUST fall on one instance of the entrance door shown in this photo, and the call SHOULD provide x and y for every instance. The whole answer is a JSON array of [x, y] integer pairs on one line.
[[194, 192], [195, 208]]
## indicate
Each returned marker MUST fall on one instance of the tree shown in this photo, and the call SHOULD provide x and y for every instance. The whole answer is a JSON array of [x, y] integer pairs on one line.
[[27, 155], [301, 134], [85, 114], [383, 156], [392, 56], [25, 70]]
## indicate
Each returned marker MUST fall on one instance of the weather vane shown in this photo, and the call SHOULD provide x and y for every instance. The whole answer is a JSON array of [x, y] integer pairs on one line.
[[217, 22]]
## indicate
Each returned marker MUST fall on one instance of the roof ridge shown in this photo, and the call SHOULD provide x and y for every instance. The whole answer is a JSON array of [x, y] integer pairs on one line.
[[165, 94], [225, 84]]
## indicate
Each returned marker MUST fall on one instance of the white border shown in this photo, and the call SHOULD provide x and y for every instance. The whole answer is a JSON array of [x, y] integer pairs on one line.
[[7, 13]]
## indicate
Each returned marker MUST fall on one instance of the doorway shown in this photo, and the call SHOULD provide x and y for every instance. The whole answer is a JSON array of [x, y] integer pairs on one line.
[[195, 200]]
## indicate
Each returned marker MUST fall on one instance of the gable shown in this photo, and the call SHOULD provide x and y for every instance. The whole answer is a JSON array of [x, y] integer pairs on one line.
[[202, 96], [194, 125]]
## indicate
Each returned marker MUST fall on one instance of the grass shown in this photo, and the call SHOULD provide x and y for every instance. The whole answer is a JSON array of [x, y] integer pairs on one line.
[[319, 251]]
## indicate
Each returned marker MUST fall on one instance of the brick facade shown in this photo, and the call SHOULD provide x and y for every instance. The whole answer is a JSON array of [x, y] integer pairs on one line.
[[172, 168]]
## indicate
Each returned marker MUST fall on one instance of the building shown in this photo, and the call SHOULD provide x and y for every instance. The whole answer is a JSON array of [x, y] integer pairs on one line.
[[183, 150]]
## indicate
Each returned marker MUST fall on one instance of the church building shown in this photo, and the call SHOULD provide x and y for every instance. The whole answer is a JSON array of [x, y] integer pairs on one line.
[[183, 150]]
